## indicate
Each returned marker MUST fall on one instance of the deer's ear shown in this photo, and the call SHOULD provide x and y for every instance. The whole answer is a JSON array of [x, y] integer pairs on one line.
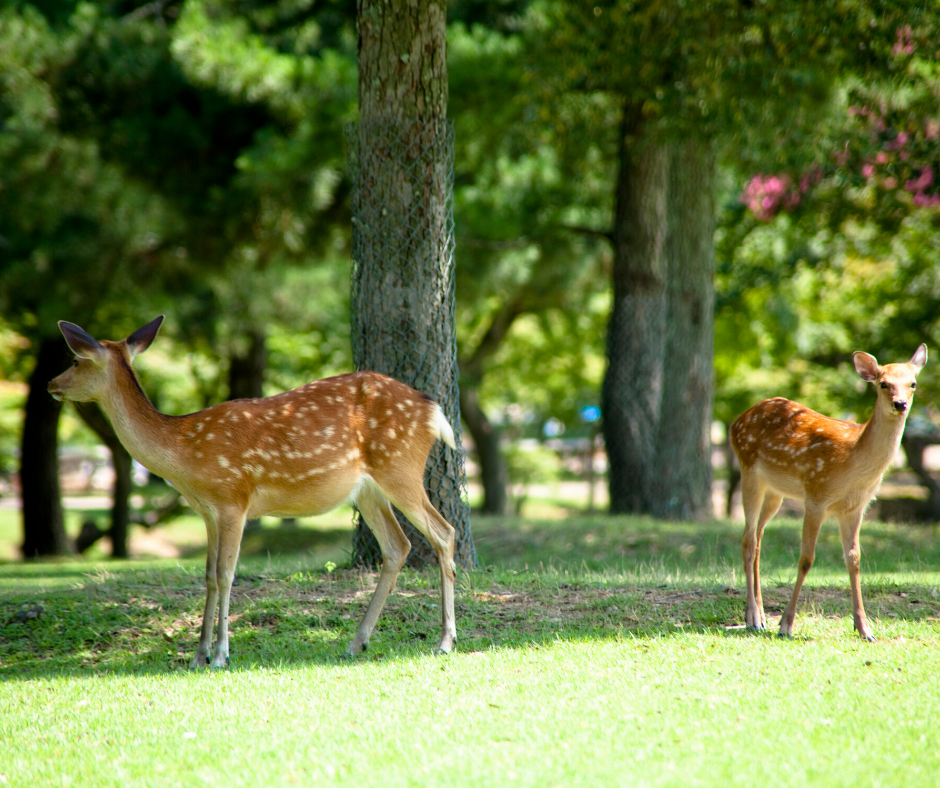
[[143, 337], [866, 366], [80, 342], [919, 359]]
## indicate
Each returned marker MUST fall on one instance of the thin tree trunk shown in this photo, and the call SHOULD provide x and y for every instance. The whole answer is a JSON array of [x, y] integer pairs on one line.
[[493, 474], [682, 483], [43, 520], [246, 369], [636, 334], [121, 461]]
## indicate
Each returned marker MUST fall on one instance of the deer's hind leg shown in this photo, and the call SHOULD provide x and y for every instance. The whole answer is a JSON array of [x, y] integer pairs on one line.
[[414, 504], [395, 547]]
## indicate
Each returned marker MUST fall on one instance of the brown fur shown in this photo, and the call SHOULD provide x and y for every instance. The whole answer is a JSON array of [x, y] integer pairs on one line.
[[361, 437], [833, 466]]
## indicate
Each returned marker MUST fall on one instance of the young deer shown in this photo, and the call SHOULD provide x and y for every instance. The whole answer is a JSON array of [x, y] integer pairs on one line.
[[361, 438], [833, 466]]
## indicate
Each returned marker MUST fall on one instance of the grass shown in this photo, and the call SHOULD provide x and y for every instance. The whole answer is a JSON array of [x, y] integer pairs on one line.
[[592, 651]]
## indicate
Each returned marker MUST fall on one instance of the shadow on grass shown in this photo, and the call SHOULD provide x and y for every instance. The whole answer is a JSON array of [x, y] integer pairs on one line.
[[589, 578]]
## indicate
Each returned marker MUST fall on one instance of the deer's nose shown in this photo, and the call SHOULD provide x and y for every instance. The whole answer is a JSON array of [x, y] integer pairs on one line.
[[900, 405]]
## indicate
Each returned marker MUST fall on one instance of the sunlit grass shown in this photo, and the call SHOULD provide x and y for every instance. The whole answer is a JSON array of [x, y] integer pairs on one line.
[[591, 651]]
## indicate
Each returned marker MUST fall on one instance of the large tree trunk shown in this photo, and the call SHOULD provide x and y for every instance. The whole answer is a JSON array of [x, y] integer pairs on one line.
[[94, 417], [402, 283], [682, 483], [246, 367], [43, 521], [636, 334]]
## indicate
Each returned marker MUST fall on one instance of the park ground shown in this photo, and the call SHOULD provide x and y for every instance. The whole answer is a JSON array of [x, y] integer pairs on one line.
[[592, 650]]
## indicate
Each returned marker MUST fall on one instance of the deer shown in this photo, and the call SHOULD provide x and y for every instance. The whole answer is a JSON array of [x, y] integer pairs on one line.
[[834, 467], [360, 438]]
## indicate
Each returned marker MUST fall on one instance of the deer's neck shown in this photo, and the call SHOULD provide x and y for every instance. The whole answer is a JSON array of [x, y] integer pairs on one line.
[[148, 435], [880, 440]]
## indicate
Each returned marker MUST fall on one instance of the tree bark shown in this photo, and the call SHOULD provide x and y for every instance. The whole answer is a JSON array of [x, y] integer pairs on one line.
[[246, 369], [93, 416], [246, 381], [403, 287], [682, 480], [636, 336], [43, 519], [493, 475]]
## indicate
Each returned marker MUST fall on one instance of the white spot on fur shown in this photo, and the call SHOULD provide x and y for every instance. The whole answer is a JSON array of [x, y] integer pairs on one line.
[[223, 462]]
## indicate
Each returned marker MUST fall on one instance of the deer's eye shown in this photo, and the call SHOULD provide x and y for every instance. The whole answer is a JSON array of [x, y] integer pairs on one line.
[[913, 385], [884, 385]]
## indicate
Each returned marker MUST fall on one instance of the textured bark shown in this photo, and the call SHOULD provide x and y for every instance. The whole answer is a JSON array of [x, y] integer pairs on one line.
[[682, 482], [636, 334], [402, 66], [402, 289], [93, 416], [43, 522]]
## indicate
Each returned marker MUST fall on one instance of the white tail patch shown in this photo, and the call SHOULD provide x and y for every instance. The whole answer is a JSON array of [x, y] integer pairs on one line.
[[444, 431]]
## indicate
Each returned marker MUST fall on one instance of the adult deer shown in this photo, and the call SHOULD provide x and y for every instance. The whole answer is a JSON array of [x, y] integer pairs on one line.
[[361, 438], [834, 467]]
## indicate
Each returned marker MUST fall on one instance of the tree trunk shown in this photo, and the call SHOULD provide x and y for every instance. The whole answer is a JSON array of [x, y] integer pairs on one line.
[[682, 482], [493, 474], [93, 416], [246, 381], [402, 299], [43, 520], [636, 334], [246, 369]]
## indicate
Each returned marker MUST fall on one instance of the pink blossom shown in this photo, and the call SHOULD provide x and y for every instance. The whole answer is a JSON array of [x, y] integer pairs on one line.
[[932, 129], [921, 182], [898, 142], [905, 43], [766, 195], [890, 182], [881, 158], [922, 200], [868, 170]]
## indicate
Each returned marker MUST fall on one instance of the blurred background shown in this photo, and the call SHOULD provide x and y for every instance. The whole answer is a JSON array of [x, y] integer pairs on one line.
[[187, 158]]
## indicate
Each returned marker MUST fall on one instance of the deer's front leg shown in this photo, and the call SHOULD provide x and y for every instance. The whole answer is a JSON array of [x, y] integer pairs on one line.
[[212, 596], [230, 537], [849, 526], [812, 520]]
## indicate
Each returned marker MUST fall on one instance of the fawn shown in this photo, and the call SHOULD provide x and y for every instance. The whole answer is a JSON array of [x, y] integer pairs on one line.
[[833, 466], [361, 438]]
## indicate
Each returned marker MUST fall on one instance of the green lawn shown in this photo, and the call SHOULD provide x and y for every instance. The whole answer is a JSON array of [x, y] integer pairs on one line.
[[591, 651]]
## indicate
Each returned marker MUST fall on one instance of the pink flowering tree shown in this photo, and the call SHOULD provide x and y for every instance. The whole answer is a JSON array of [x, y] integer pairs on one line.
[[886, 158]]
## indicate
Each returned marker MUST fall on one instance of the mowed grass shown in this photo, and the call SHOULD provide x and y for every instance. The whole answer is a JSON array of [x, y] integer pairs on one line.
[[591, 651]]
